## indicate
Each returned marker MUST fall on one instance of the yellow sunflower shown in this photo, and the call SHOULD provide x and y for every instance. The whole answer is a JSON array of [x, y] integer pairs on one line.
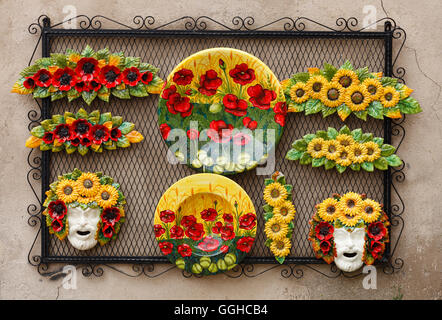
[[343, 159], [349, 220], [332, 149], [328, 209], [298, 93], [275, 194], [286, 211], [345, 140], [281, 248], [332, 94], [107, 196], [374, 88], [390, 97], [276, 229], [373, 151], [67, 190], [88, 184], [314, 86], [315, 148], [357, 153], [357, 98], [346, 78], [371, 210], [85, 200], [350, 204]]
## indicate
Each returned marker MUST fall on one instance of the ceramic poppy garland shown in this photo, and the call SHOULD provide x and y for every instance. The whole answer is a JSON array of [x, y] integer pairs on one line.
[[350, 230], [279, 213], [225, 102], [342, 149], [85, 207], [82, 132], [88, 74], [347, 90]]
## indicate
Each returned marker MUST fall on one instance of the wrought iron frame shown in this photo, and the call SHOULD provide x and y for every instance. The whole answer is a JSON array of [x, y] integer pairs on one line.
[[241, 27]]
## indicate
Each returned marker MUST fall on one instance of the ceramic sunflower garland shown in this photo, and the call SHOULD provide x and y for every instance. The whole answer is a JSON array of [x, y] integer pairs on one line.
[[342, 149], [279, 213], [350, 230], [89, 75], [85, 207], [82, 132], [347, 90]]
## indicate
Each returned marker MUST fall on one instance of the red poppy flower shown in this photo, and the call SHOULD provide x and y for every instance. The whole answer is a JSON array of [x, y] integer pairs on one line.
[[219, 131], [188, 92], [80, 128], [224, 249], [184, 250], [94, 85], [195, 231], [115, 134], [217, 227], [167, 92], [86, 141], [245, 244], [29, 83], [159, 230], [241, 139], [249, 123], [99, 134], [209, 214], [57, 225], [247, 221], [260, 97], [82, 86], [57, 209], [87, 69], [48, 137], [64, 79], [108, 230], [193, 134], [376, 230], [62, 132], [376, 249], [167, 216], [146, 77], [209, 82], [75, 141], [165, 129], [110, 76], [227, 232], [178, 104], [324, 231], [183, 77], [325, 246], [222, 64], [110, 215], [131, 76], [280, 110], [43, 78], [187, 221], [235, 106], [209, 244], [176, 232], [242, 74], [166, 247], [228, 217]]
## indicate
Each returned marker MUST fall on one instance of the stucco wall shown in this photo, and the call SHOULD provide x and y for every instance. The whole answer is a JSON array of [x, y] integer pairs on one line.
[[420, 244]]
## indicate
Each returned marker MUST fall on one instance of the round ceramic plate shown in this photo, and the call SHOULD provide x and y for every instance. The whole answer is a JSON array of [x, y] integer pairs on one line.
[[222, 110], [205, 223]]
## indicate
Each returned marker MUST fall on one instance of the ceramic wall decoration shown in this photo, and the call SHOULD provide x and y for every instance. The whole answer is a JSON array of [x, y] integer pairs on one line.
[[82, 132], [205, 223], [350, 230], [89, 75], [85, 207], [344, 149], [229, 109], [347, 90], [279, 213]]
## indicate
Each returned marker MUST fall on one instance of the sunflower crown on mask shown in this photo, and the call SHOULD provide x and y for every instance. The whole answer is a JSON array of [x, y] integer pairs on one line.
[[347, 90], [349, 211], [85, 190]]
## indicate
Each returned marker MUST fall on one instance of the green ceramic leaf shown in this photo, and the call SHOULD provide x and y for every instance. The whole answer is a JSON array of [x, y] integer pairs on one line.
[[355, 166], [361, 114], [344, 111], [58, 95], [45, 147], [44, 63], [322, 134], [57, 119], [367, 137], [268, 181], [122, 94], [102, 54], [87, 52], [381, 163], [268, 208], [409, 106], [73, 94], [305, 158], [123, 142], [329, 164], [82, 150], [344, 130], [70, 148], [393, 160], [117, 121], [387, 81], [41, 92], [138, 91], [104, 93], [363, 73], [376, 110], [302, 76], [379, 141], [105, 117], [347, 65], [47, 125], [289, 188], [59, 59], [313, 106], [130, 62], [309, 137], [357, 134], [126, 127], [332, 133], [368, 166], [326, 111], [318, 162], [340, 168], [81, 114], [387, 150], [38, 131], [329, 71], [88, 97], [293, 154], [268, 242], [281, 179], [29, 71]]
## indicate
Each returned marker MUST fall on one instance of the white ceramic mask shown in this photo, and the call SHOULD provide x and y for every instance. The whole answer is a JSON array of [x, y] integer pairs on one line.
[[349, 248], [83, 226]]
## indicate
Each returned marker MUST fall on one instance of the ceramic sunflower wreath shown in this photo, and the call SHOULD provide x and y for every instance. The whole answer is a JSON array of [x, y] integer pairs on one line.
[[279, 213], [89, 75], [344, 149], [347, 90], [350, 230], [85, 207]]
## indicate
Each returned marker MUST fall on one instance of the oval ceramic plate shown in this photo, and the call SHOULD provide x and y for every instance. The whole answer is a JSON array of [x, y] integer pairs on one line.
[[205, 223], [229, 108]]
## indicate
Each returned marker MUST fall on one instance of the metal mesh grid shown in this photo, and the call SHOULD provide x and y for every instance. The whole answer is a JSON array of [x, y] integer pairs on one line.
[[144, 173]]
